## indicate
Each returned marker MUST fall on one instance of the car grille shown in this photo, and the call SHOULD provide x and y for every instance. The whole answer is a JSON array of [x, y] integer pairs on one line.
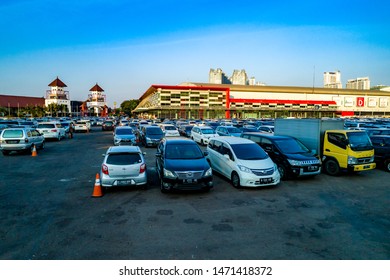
[[365, 160], [309, 162], [182, 175], [263, 172]]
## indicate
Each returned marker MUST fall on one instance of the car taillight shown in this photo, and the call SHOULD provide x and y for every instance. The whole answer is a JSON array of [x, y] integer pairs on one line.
[[142, 168], [54, 130], [105, 169]]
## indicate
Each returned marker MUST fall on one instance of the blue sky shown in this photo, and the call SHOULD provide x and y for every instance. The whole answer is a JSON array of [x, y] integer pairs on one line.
[[126, 46]]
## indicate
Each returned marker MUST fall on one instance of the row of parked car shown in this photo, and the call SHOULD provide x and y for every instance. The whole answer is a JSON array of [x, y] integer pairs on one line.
[[251, 159]]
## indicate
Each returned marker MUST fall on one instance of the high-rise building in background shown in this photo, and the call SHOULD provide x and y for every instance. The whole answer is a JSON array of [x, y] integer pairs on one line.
[[359, 83], [239, 77], [332, 80], [217, 76]]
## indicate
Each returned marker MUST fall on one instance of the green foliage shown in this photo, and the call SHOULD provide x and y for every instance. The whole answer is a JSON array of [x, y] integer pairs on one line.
[[129, 105]]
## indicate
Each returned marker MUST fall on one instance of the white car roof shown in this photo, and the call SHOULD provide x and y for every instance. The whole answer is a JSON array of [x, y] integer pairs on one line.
[[233, 140], [123, 149]]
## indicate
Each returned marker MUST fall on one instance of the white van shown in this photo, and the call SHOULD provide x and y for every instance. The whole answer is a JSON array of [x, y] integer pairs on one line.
[[242, 161], [202, 134]]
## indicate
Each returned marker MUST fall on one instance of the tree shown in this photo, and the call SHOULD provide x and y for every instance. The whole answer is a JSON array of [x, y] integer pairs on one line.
[[129, 105]]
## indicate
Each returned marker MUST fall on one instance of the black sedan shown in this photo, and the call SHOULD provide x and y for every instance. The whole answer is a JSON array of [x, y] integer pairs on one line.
[[181, 164]]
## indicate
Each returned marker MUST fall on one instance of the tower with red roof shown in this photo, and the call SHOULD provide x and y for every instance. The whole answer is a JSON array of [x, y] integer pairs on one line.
[[57, 95], [97, 101]]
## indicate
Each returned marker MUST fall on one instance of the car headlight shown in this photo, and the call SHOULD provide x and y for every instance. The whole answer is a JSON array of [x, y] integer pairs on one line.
[[244, 169], [169, 174], [352, 160], [372, 159], [209, 172], [294, 162], [148, 139]]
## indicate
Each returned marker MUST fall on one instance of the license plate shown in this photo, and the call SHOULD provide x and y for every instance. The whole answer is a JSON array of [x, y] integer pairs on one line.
[[12, 142], [189, 181], [265, 180], [366, 167], [125, 182], [312, 168]]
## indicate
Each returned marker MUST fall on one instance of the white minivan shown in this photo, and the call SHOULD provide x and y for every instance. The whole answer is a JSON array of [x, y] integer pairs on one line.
[[242, 161], [202, 134]]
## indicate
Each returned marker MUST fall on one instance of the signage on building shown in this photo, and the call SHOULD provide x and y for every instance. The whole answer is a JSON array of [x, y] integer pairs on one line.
[[360, 101], [372, 102]]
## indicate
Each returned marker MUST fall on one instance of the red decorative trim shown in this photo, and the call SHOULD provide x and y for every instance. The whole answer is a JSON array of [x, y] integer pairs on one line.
[[282, 101]]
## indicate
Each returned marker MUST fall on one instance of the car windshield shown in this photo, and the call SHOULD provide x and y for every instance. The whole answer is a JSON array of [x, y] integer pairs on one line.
[[170, 128], [123, 158], [127, 131], [154, 131], [207, 131], [178, 151], [359, 141], [233, 129], [188, 128], [13, 134], [291, 146], [249, 151]]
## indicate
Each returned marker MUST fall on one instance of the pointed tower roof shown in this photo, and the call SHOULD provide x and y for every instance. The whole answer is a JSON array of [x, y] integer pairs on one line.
[[96, 88], [57, 83]]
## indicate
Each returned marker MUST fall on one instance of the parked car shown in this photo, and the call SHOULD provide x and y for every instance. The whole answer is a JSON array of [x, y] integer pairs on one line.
[[169, 130], [202, 134], [108, 125], [20, 139], [381, 145], [181, 164], [151, 135], [242, 161], [377, 131], [185, 130], [266, 129], [124, 135], [291, 156], [82, 125], [53, 130], [224, 130], [123, 166]]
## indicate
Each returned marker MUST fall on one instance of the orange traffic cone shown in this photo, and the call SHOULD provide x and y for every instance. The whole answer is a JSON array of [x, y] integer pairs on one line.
[[97, 190], [34, 152]]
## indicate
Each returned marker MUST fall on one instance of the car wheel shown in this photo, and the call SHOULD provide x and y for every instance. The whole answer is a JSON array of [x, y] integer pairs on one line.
[[283, 172], [201, 142], [387, 165], [332, 167], [235, 180], [164, 189], [59, 137], [42, 145]]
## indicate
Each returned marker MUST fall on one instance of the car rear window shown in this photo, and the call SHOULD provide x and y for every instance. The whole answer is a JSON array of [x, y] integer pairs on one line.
[[124, 158], [13, 134], [46, 125]]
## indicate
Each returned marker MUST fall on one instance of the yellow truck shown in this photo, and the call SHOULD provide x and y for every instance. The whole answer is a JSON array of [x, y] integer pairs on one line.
[[339, 148]]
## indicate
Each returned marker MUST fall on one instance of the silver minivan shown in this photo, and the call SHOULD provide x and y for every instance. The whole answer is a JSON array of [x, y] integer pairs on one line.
[[20, 139]]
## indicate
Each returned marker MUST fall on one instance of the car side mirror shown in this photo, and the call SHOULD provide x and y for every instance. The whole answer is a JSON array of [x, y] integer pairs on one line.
[[205, 153], [226, 156]]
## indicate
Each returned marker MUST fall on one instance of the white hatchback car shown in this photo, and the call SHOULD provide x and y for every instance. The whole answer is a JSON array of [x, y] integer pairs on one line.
[[82, 125], [242, 161], [202, 134]]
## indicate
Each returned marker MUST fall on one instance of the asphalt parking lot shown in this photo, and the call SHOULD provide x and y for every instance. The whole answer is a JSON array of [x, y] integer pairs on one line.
[[47, 212]]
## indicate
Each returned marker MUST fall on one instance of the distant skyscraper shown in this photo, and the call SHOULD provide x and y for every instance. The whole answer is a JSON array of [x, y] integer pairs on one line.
[[332, 79], [239, 77], [359, 83], [218, 77]]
